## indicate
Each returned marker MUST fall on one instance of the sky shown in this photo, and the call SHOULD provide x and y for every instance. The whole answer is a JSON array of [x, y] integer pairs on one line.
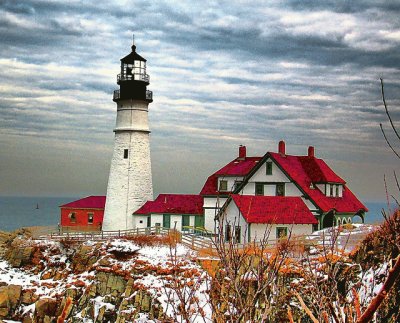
[[223, 74]]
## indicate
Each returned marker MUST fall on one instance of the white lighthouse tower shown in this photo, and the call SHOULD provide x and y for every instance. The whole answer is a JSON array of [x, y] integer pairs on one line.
[[130, 182]]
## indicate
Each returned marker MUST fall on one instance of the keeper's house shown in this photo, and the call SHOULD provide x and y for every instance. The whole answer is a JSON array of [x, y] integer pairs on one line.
[[277, 193], [86, 213]]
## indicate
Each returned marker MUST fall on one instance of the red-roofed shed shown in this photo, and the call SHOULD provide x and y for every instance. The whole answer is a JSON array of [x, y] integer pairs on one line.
[[86, 213], [173, 204]]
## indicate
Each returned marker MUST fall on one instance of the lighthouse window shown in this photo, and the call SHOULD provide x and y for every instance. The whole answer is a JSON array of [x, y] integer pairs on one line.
[[125, 153]]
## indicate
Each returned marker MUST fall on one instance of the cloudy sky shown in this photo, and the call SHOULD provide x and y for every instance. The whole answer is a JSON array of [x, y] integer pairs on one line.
[[223, 73]]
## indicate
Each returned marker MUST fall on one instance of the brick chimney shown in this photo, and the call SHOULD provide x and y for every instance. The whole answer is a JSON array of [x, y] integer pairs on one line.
[[242, 152], [282, 147], [311, 151]]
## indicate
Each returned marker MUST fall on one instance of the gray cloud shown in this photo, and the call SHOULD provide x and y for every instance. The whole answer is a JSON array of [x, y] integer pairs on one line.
[[223, 74]]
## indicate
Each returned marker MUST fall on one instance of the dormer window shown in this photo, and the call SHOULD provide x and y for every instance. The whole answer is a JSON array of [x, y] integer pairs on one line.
[[223, 185], [268, 168]]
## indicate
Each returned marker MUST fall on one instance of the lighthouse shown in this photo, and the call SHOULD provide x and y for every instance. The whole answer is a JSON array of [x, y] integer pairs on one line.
[[130, 181]]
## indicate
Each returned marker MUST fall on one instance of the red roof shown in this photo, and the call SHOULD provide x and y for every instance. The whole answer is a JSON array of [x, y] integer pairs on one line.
[[89, 202], [305, 170], [274, 209], [237, 167], [173, 204]]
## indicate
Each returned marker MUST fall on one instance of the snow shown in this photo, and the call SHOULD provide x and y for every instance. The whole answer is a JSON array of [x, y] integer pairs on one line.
[[99, 303], [123, 246], [15, 276]]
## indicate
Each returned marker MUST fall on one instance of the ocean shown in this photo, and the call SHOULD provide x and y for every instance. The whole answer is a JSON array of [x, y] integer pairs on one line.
[[17, 212]]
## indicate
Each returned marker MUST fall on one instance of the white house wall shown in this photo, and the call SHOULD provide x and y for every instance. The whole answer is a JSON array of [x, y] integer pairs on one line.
[[257, 230], [310, 204], [141, 221], [230, 182], [176, 222], [209, 215], [156, 218], [209, 207], [214, 201], [234, 218], [277, 175]]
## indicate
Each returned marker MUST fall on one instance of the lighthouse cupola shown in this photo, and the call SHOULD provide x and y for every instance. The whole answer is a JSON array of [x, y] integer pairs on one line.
[[133, 79]]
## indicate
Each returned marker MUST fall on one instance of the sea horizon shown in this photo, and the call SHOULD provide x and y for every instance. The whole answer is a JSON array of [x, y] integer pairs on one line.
[[26, 211]]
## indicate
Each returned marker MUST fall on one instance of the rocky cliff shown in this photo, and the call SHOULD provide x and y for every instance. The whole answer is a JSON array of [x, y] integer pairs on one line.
[[112, 281]]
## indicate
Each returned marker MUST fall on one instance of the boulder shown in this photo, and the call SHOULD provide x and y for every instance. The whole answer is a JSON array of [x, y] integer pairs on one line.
[[9, 298], [45, 307]]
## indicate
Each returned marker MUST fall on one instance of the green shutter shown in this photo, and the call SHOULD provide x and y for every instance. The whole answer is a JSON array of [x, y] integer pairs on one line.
[[185, 222], [199, 221], [167, 221]]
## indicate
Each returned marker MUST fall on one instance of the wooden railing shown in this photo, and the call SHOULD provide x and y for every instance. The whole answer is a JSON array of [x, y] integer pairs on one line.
[[199, 238], [103, 235]]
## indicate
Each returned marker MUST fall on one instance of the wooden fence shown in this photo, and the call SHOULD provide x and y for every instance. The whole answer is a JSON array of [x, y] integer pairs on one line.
[[197, 239], [102, 235]]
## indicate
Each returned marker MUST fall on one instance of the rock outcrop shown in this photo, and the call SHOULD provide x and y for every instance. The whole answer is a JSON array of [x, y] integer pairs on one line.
[[77, 282]]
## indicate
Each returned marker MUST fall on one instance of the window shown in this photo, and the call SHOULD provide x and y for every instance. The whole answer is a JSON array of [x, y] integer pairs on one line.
[[125, 153], [237, 234], [141, 221], [228, 233], [337, 190], [237, 184], [149, 221], [90, 218], [281, 232], [223, 185], [259, 189], [185, 222], [72, 217], [166, 221], [331, 190], [280, 189], [269, 168]]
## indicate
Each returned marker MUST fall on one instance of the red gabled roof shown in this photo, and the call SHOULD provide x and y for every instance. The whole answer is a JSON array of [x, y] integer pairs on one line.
[[274, 209], [173, 204], [237, 167], [89, 202], [304, 170]]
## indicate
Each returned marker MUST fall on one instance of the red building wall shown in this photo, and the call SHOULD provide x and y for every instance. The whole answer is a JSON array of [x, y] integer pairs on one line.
[[81, 217]]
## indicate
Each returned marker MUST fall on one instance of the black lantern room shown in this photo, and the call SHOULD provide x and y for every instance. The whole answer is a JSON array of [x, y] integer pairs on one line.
[[133, 79]]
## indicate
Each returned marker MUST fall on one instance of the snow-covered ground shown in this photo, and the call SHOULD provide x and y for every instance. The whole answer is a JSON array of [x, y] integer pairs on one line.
[[346, 237], [159, 276]]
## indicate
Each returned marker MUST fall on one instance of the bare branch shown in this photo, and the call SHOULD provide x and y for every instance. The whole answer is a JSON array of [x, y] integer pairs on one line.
[[394, 273], [387, 141], [387, 111]]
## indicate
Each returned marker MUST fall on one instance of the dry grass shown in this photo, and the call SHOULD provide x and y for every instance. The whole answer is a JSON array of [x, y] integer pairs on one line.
[[171, 239]]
